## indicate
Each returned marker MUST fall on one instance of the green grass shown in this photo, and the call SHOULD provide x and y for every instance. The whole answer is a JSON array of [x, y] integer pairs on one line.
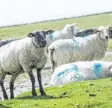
[[110, 44], [83, 22], [74, 95]]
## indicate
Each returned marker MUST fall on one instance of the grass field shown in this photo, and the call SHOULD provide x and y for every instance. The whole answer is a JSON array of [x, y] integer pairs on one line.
[[75, 95], [110, 44], [83, 23], [87, 94]]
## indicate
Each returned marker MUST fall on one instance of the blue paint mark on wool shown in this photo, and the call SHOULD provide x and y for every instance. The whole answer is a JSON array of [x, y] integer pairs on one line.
[[75, 43], [98, 69], [51, 36], [62, 73], [74, 67], [76, 70], [55, 34]]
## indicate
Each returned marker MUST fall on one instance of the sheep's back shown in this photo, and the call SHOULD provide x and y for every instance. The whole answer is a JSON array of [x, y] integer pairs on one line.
[[80, 71], [69, 49], [9, 55]]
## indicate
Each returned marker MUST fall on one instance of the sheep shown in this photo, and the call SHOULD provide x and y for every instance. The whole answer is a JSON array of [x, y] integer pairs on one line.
[[4, 42], [67, 32], [90, 31], [110, 31], [22, 56], [80, 71], [91, 47], [85, 32]]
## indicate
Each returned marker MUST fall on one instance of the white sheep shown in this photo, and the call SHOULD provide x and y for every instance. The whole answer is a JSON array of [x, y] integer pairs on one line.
[[66, 33], [22, 56], [80, 71], [91, 47]]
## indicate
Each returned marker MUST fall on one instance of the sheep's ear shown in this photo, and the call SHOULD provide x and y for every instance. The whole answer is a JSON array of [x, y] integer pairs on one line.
[[96, 31], [66, 26], [49, 32], [31, 35], [110, 28], [74, 24]]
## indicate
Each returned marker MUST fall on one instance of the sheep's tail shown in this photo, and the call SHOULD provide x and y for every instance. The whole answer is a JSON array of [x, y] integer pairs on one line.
[[51, 59]]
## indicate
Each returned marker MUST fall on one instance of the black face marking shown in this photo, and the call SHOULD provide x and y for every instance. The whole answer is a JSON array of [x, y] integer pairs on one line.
[[40, 38], [110, 33]]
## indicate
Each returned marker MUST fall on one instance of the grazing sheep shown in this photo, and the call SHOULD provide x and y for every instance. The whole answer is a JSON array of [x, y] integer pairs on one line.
[[4, 42], [22, 56], [68, 32], [85, 32], [80, 71], [90, 31], [92, 47]]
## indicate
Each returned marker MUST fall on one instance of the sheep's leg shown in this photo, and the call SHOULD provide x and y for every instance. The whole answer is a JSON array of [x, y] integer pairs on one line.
[[40, 82], [2, 86], [47, 48], [51, 59], [32, 78], [13, 78]]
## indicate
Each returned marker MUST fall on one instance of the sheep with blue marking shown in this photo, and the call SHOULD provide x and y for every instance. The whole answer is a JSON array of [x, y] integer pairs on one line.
[[22, 56], [85, 32], [88, 48], [4, 42], [66, 33], [89, 31], [80, 71]]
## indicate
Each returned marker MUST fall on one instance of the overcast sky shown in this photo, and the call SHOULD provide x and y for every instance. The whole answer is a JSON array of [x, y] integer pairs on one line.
[[21, 11]]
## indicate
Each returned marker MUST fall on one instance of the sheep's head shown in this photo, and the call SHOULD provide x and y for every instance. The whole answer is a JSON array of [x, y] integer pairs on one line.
[[72, 27], [39, 38], [103, 32], [110, 31]]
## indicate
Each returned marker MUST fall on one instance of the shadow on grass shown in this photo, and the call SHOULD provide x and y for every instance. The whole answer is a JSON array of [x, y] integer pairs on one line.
[[39, 97], [96, 105], [3, 106]]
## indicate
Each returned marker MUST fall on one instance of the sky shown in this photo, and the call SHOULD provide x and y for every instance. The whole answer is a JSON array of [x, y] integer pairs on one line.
[[26, 11]]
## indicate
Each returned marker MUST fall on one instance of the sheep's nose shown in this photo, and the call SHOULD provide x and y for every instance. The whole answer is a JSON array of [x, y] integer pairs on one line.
[[44, 43], [107, 37]]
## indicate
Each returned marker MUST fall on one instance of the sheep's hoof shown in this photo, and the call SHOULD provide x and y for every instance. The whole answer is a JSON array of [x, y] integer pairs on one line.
[[11, 97], [34, 94], [6, 98], [43, 94]]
